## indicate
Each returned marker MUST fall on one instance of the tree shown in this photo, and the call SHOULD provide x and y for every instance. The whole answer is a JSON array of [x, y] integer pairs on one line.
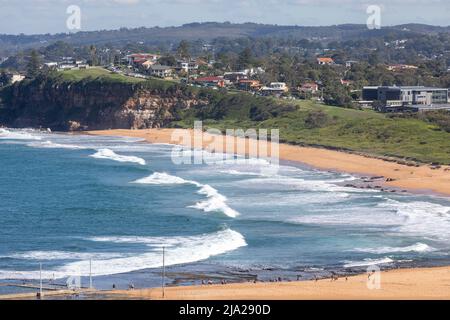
[[93, 55], [4, 79], [34, 64], [245, 58], [183, 50], [167, 61]]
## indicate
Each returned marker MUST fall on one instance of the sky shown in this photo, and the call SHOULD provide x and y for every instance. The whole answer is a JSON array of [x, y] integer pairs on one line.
[[50, 16]]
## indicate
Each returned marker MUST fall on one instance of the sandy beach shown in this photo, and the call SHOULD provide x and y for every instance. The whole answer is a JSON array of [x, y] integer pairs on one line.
[[399, 284], [404, 284], [419, 283], [424, 178]]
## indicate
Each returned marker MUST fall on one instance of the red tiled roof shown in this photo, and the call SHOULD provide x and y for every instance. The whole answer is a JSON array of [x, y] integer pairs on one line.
[[325, 59]]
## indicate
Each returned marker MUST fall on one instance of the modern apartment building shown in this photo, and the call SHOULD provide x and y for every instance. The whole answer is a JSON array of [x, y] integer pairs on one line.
[[418, 97]]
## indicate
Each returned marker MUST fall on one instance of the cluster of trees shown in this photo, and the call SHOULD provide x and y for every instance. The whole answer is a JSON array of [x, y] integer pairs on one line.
[[286, 59]]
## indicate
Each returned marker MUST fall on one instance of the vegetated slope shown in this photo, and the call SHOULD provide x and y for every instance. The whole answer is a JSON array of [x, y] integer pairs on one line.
[[96, 99]]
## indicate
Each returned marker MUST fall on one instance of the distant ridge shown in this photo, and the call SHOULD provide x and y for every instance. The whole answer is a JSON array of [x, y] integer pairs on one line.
[[211, 30]]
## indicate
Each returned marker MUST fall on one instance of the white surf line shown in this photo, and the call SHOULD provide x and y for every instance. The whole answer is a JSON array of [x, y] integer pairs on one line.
[[111, 155], [216, 202]]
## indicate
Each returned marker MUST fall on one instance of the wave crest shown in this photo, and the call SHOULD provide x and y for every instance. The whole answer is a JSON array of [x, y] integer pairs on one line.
[[179, 250], [111, 155], [418, 247], [216, 202]]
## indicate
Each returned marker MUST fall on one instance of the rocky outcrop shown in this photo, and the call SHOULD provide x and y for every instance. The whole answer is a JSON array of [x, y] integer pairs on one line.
[[92, 105]]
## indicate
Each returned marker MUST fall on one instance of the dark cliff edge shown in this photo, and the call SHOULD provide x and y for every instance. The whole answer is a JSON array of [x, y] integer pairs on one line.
[[96, 104]]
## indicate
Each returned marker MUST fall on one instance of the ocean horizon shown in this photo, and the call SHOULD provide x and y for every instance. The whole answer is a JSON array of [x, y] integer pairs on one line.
[[80, 204]]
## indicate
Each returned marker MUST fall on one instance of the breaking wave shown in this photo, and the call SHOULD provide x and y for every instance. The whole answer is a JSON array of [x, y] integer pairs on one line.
[[421, 218], [164, 178], [418, 247], [111, 155], [61, 255], [179, 250], [367, 262], [52, 145], [215, 202], [18, 135]]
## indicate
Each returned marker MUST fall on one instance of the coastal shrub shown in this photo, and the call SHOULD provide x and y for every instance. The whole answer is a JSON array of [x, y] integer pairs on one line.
[[441, 118], [316, 119]]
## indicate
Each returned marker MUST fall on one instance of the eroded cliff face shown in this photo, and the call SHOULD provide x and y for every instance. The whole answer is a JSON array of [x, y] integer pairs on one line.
[[92, 105]]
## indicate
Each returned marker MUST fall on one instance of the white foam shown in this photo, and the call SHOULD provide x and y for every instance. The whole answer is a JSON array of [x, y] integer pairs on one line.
[[239, 173], [421, 218], [302, 184], [350, 216], [62, 255], [179, 250], [164, 178], [111, 155], [367, 262], [291, 199], [245, 161], [418, 247], [18, 135], [216, 202], [52, 145]]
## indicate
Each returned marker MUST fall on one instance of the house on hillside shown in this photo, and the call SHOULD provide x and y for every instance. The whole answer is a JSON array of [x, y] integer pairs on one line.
[[275, 89], [160, 71], [187, 66], [147, 64], [235, 77], [401, 67], [325, 61], [308, 87], [210, 81], [68, 63], [249, 85], [138, 58], [254, 71]]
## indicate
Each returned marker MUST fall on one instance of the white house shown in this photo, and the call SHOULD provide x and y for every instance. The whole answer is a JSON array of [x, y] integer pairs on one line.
[[160, 71], [275, 88]]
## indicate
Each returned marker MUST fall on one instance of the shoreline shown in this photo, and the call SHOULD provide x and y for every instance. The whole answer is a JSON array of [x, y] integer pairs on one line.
[[394, 284], [423, 179], [402, 284], [406, 283]]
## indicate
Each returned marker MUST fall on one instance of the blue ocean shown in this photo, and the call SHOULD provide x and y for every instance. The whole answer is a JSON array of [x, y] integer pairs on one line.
[[79, 204]]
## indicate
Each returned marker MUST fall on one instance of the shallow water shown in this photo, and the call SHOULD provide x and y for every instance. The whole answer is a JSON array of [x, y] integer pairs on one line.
[[66, 200]]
